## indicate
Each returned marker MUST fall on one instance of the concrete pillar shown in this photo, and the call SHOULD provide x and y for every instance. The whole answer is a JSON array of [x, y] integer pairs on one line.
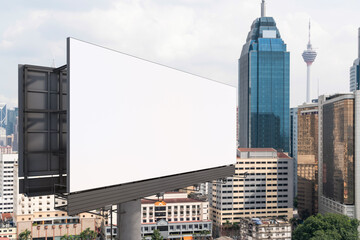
[[129, 220]]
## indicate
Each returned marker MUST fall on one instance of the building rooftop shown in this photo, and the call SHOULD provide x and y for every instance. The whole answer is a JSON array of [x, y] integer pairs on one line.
[[6, 216], [283, 155], [256, 150], [171, 200], [269, 221]]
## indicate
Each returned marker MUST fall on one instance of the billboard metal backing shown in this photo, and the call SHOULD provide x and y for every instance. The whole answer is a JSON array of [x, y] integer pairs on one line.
[[42, 130]]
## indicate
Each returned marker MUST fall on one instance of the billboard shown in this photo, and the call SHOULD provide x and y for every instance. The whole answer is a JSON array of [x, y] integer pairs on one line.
[[132, 120]]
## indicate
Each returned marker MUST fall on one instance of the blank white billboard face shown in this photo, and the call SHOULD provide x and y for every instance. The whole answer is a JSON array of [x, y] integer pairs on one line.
[[132, 119]]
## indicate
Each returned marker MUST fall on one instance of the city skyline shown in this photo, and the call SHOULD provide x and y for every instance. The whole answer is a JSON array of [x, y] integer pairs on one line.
[[203, 38]]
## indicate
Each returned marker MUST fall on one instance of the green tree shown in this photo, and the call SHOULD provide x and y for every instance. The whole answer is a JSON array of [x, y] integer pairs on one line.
[[328, 226], [295, 202], [156, 235], [25, 235], [87, 234], [67, 237]]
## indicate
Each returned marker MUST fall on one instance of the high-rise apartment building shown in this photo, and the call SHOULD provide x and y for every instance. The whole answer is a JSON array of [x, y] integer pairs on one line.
[[307, 159], [339, 154], [355, 70], [263, 88], [7, 163], [266, 191]]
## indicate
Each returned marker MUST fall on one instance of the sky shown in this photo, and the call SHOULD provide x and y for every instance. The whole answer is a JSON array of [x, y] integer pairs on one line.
[[203, 37]]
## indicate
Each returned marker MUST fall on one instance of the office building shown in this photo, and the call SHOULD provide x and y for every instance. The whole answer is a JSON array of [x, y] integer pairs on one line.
[[355, 70], [16, 139], [263, 88], [266, 191], [309, 56], [3, 118], [339, 152], [293, 142], [7, 163], [176, 216], [11, 120], [307, 159], [3, 139]]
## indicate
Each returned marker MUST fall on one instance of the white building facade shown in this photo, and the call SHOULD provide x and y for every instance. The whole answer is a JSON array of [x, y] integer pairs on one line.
[[176, 216], [7, 163]]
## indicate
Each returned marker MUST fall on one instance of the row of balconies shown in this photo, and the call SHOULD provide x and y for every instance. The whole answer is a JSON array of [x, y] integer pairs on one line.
[[38, 227]]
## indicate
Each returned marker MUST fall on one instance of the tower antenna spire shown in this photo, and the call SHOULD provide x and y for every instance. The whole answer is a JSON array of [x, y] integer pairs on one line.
[[309, 56], [263, 9], [309, 30]]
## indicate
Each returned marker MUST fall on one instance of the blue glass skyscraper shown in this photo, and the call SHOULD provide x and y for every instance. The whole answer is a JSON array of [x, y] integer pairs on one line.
[[263, 87], [2, 115]]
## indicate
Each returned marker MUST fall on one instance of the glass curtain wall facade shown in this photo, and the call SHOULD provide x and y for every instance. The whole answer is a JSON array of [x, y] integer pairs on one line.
[[338, 151], [264, 117], [2, 115], [355, 75], [11, 120], [307, 156]]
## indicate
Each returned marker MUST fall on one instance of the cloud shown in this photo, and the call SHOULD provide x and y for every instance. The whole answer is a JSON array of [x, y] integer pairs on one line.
[[201, 37], [11, 102]]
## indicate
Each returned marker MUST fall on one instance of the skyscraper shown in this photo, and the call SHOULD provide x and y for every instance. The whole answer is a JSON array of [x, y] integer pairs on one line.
[[355, 70], [309, 56], [263, 87], [294, 142], [307, 159], [339, 154], [2, 115], [11, 120]]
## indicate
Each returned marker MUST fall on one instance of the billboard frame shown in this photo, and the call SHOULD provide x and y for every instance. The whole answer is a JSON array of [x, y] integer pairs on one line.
[[42, 114]]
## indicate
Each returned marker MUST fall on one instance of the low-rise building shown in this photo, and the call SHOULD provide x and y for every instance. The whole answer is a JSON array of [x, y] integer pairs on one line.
[[176, 217], [7, 227], [8, 232], [261, 229], [54, 224]]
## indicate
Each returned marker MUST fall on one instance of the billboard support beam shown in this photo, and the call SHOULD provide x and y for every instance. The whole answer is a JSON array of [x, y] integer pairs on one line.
[[97, 198]]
